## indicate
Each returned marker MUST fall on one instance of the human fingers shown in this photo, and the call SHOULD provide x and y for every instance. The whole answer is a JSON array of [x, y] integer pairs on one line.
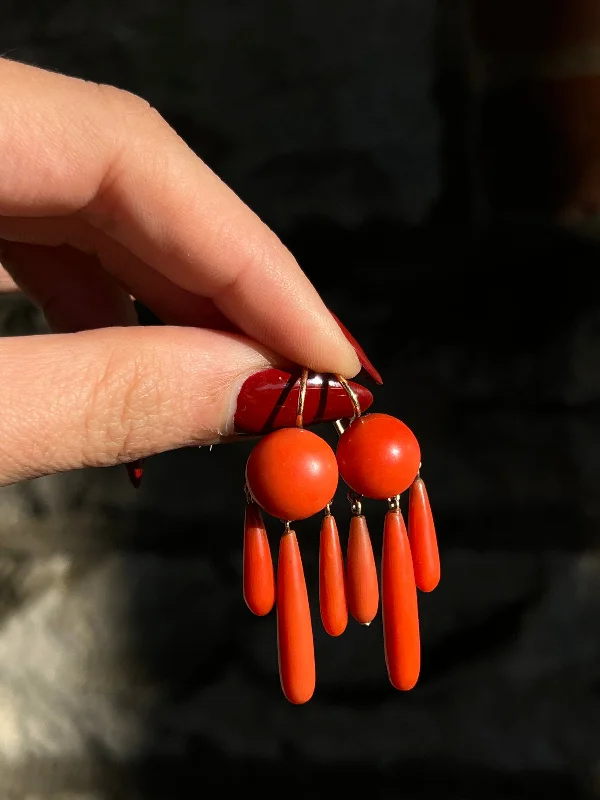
[[75, 293], [69, 286], [114, 395], [107, 157]]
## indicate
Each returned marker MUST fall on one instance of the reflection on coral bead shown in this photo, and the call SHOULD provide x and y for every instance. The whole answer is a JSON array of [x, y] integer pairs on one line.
[[378, 456], [292, 473]]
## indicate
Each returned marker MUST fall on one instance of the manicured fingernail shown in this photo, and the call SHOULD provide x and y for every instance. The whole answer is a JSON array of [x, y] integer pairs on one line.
[[362, 356], [135, 471], [268, 400]]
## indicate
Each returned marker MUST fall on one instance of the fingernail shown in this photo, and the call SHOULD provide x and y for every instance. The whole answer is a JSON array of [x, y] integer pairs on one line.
[[268, 400], [362, 356], [135, 471]]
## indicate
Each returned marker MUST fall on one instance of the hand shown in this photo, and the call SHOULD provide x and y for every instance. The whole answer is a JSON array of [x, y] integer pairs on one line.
[[100, 201]]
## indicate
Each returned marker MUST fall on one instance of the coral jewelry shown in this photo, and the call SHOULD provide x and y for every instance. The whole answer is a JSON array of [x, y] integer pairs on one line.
[[292, 474]]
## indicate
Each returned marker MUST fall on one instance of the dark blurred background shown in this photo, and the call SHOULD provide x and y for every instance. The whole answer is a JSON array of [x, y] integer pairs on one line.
[[435, 168]]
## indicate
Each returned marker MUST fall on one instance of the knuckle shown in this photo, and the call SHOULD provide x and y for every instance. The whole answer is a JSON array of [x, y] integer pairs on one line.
[[136, 133], [128, 403], [130, 109]]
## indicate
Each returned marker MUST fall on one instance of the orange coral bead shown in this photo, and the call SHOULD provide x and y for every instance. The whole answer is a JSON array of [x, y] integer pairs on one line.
[[378, 456], [292, 473], [332, 581], [423, 541], [362, 583], [294, 627], [259, 576], [399, 605]]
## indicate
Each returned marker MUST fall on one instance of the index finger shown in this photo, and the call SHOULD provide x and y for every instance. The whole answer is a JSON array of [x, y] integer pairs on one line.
[[105, 155]]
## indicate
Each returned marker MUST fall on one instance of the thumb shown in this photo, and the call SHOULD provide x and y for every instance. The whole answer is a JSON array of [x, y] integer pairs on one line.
[[103, 397]]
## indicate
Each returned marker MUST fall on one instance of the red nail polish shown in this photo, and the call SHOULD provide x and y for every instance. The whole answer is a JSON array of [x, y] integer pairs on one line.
[[269, 400], [362, 356], [135, 470]]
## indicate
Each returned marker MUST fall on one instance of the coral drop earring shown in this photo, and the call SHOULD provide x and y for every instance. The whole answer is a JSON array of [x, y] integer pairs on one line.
[[294, 627], [400, 610], [332, 580], [423, 540]]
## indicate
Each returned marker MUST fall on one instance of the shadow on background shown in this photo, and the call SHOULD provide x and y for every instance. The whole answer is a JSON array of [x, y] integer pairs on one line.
[[478, 357], [488, 340]]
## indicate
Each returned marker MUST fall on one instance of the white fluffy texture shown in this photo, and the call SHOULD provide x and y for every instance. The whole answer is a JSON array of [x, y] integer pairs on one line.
[[103, 654], [71, 681]]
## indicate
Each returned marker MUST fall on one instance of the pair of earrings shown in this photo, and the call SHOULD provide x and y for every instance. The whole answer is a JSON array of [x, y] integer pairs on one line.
[[292, 474]]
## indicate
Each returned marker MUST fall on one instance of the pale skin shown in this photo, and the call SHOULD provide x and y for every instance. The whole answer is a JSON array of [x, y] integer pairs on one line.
[[101, 202]]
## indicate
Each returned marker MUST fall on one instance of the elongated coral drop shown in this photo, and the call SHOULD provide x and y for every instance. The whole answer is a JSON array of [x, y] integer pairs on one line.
[[362, 584], [400, 610], [259, 576], [423, 541], [332, 581], [294, 627]]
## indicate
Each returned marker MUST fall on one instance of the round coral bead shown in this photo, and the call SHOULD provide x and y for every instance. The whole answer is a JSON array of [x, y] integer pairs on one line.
[[292, 473], [378, 456]]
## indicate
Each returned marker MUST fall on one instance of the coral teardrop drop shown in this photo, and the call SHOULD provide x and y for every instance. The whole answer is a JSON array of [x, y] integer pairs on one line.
[[423, 541], [362, 584], [399, 605], [332, 581], [294, 627], [258, 573]]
